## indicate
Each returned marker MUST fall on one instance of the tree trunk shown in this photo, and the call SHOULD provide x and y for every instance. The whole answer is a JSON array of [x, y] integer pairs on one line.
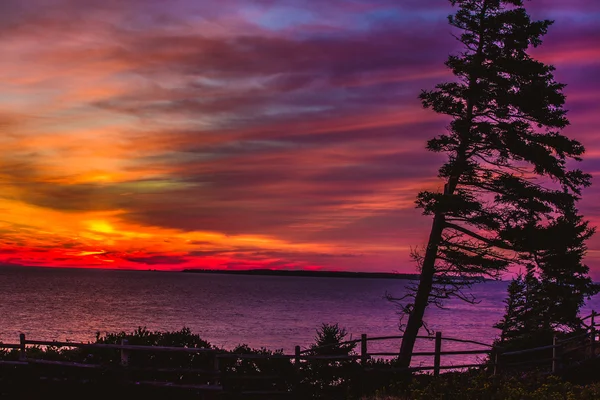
[[415, 318]]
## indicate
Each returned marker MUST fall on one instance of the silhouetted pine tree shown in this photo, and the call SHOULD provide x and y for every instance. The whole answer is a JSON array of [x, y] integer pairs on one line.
[[523, 314], [512, 324], [564, 280], [506, 178], [542, 304]]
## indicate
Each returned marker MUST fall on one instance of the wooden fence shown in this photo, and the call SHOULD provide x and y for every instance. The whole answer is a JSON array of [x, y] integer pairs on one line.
[[436, 366], [498, 359], [567, 352]]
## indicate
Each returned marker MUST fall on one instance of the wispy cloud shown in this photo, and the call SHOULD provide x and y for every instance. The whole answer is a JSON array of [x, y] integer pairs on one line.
[[273, 134]]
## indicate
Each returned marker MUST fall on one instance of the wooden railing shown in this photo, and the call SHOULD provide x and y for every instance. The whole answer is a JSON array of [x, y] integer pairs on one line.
[[560, 348], [497, 358], [214, 375], [437, 354]]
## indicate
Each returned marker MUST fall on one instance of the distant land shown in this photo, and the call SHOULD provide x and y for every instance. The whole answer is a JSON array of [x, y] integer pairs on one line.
[[316, 274]]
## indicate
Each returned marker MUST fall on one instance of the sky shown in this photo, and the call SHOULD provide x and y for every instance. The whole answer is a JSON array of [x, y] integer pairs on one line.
[[287, 134]]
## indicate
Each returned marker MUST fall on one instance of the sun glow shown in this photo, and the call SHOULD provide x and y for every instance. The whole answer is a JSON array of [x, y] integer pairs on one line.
[[143, 155], [100, 226], [90, 253]]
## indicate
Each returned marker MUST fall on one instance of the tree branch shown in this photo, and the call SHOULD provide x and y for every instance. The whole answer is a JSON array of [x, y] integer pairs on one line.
[[491, 242]]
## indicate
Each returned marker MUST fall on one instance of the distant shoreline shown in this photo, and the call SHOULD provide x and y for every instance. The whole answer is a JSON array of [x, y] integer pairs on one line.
[[313, 274]]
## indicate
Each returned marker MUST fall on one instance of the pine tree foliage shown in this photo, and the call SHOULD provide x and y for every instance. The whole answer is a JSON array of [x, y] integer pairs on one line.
[[550, 300], [507, 110], [509, 193], [563, 276], [524, 311], [512, 324]]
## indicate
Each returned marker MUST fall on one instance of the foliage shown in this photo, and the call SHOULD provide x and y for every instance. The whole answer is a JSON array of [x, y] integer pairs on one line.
[[524, 315], [144, 337], [550, 300], [476, 386], [541, 305], [509, 197], [145, 360], [238, 373], [330, 340], [329, 378], [314, 379], [528, 322], [562, 277]]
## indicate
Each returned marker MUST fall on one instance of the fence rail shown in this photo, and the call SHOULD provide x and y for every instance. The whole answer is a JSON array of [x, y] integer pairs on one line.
[[497, 357], [560, 348], [300, 355]]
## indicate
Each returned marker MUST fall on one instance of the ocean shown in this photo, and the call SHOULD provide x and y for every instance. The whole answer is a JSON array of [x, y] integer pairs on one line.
[[276, 312]]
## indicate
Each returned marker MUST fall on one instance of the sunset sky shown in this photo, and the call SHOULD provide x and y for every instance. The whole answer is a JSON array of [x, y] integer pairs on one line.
[[241, 134]]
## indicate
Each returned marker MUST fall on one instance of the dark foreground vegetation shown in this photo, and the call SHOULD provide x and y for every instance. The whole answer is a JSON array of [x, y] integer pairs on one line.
[[475, 385], [260, 378], [193, 374]]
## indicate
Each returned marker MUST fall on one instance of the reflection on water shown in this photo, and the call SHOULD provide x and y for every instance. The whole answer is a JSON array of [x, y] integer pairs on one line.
[[270, 311]]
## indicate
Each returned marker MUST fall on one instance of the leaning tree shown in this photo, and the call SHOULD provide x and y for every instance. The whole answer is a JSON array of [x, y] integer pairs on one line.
[[506, 179]]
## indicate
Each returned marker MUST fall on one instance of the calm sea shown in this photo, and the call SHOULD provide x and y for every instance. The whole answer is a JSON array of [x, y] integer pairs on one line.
[[269, 311]]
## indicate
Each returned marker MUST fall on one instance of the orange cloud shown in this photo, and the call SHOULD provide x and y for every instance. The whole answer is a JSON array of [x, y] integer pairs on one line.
[[136, 135]]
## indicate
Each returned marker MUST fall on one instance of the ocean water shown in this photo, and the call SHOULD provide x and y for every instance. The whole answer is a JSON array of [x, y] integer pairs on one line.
[[261, 311]]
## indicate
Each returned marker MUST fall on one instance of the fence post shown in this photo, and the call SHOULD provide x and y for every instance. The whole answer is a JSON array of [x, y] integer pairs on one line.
[[555, 352], [364, 355], [297, 356], [494, 360], [437, 356], [217, 368], [22, 354], [124, 353], [216, 363], [593, 335]]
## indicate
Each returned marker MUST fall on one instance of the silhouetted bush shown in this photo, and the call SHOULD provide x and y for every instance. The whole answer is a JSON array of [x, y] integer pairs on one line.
[[330, 377]]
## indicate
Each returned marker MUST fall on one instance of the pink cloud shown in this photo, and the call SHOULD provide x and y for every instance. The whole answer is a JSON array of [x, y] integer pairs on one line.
[[239, 120]]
